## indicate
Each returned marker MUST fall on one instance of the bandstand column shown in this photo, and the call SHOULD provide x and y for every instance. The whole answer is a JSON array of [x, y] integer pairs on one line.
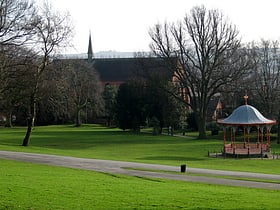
[[244, 129], [258, 138], [225, 134], [248, 132], [234, 138], [261, 129], [230, 136], [268, 128]]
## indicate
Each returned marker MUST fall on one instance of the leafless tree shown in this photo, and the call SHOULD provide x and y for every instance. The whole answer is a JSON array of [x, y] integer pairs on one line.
[[209, 56], [17, 18], [52, 31], [266, 77], [15, 77], [82, 88]]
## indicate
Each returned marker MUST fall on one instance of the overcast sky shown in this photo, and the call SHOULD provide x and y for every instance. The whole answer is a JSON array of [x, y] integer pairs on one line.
[[122, 25]]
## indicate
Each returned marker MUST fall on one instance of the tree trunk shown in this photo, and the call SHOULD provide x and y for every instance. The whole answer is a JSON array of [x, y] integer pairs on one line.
[[26, 139], [78, 117], [109, 121], [30, 122], [201, 130], [201, 127]]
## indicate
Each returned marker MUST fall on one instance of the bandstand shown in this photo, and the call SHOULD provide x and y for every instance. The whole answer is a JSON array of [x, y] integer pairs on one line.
[[247, 118]]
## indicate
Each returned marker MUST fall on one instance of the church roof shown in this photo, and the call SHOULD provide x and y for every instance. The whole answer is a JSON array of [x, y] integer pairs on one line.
[[114, 69], [246, 115], [120, 70]]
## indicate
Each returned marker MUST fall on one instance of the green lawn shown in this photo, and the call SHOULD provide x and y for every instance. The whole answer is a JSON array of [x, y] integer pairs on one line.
[[33, 186], [113, 144]]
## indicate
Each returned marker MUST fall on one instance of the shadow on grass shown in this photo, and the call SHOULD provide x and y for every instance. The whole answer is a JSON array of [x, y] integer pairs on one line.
[[80, 138]]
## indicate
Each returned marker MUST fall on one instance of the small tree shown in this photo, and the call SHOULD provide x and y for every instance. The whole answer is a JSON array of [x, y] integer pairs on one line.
[[52, 30], [160, 104], [130, 106]]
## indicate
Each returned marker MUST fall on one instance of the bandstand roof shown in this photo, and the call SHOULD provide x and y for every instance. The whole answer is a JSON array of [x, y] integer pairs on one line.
[[246, 115]]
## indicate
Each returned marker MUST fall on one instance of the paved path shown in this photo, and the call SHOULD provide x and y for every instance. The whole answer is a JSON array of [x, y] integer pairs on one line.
[[120, 167]]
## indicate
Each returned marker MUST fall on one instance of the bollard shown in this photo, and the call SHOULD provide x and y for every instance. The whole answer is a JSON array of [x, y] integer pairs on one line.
[[183, 168]]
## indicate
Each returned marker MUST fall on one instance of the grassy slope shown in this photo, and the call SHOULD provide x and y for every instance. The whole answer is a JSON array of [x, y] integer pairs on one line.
[[113, 144], [32, 186]]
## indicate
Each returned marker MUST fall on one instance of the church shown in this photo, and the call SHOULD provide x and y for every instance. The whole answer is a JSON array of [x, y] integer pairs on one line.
[[116, 71]]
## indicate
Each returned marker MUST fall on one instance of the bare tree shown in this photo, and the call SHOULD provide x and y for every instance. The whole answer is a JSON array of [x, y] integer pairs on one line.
[[82, 89], [266, 77], [17, 18], [15, 75], [53, 30], [209, 56], [54, 105]]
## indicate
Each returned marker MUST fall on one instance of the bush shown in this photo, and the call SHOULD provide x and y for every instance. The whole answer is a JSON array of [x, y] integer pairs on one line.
[[156, 125], [213, 127]]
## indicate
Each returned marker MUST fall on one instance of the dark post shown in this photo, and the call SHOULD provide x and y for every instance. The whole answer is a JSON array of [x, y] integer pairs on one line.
[[183, 168]]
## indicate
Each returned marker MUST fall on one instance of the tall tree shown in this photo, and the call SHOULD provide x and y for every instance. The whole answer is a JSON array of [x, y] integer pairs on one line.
[[52, 31], [209, 56], [17, 18], [266, 77]]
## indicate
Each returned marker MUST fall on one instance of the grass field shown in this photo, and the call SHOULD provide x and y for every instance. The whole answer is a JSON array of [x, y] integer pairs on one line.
[[114, 144], [32, 186]]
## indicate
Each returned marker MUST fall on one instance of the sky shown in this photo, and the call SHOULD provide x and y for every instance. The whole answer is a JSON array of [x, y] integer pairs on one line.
[[123, 25]]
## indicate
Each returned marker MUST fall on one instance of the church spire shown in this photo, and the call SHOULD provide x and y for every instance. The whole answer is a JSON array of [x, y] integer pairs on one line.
[[90, 53]]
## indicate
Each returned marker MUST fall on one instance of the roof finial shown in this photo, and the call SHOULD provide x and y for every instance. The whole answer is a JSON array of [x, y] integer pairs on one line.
[[246, 98]]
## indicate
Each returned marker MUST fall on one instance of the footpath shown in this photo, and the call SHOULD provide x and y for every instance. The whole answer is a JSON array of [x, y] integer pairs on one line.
[[150, 170]]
